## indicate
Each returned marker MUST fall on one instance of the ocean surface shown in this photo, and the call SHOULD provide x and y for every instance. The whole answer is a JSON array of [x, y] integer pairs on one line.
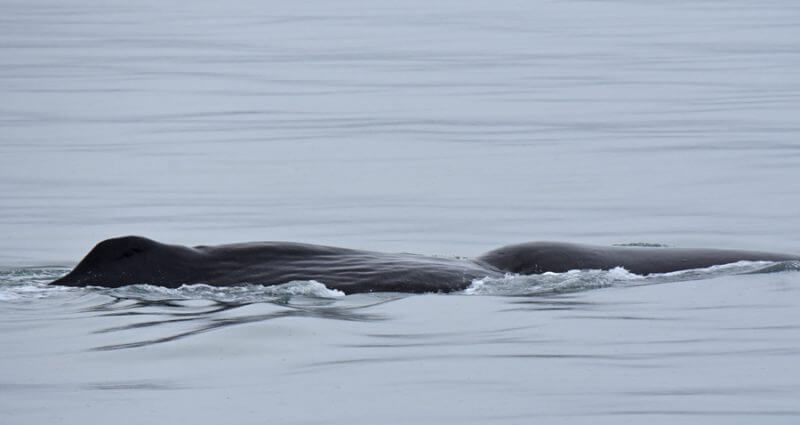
[[443, 128]]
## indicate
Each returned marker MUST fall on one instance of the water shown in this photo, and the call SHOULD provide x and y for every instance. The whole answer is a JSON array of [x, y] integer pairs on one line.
[[447, 129]]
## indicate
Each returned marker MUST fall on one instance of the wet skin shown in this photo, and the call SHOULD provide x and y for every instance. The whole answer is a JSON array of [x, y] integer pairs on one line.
[[136, 260]]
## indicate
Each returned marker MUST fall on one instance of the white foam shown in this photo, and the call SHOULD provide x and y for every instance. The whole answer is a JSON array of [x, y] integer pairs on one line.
[[309, 288], [32, 283], [29, 282], [8, 296], [579, 280], [238, 293], [549, 282], [737, 267]]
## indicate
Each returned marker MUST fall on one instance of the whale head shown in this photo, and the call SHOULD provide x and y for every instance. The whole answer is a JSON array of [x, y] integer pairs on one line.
[[132, 260]]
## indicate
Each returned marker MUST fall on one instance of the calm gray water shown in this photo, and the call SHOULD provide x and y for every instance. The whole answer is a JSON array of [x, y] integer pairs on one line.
[[446, 128]]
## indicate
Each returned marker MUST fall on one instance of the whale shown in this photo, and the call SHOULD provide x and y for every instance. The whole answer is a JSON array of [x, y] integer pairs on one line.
[[131, 260]]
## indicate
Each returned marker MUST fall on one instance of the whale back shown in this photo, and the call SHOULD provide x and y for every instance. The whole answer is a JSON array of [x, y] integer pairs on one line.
[[133, 260], [559, 257], [136, 260]]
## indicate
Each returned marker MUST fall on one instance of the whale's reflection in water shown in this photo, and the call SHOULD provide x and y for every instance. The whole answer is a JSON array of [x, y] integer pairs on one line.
[[199, 316]]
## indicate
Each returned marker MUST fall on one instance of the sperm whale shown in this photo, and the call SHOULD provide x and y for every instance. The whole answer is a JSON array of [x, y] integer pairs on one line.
[[132, 260]]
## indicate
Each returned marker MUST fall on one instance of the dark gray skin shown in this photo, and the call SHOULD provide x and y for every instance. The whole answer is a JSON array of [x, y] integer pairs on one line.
[[558, 257], [135, 260]]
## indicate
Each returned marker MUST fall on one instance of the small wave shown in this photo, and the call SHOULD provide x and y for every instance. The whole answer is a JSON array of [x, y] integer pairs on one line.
[[29, 282], [584, 280], [786, 266], [548, 283], [643, 244], [242, 293], [32, 283], [28, 275]]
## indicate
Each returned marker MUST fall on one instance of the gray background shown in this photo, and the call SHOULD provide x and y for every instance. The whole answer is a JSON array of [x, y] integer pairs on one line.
[[435, 127], [447, 127]]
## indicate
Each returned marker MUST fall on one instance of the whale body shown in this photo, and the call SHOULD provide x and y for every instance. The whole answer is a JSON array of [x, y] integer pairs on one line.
[[137, 260]]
